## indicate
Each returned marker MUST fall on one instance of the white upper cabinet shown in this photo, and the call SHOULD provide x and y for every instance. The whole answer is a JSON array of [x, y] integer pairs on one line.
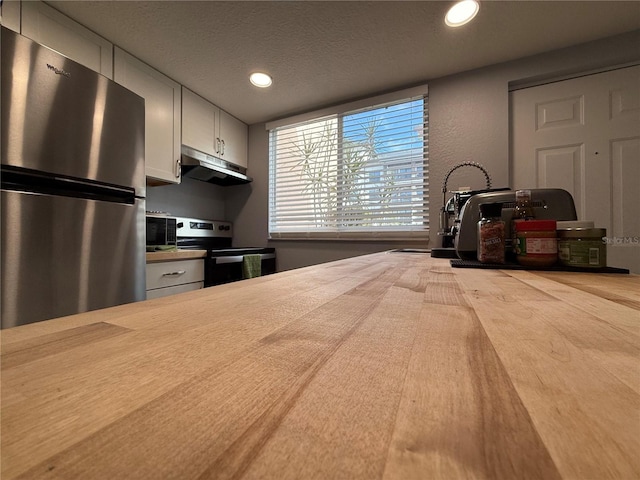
[[10, 14], [211, 130], [234, 139], [162, 114], [49, 27], [199, 119]]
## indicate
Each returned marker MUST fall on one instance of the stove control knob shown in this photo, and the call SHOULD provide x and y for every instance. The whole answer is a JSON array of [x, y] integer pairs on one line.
[[227, 227], [221, 227]]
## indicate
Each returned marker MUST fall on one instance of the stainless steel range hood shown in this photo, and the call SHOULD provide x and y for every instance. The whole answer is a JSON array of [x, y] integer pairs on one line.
[[200, 166]]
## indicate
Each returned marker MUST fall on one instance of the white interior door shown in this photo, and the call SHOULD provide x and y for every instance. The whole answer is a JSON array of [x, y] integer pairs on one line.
[[583, 135]]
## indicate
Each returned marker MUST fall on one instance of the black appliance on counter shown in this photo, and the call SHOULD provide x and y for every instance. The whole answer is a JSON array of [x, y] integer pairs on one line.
[[223, 263], [161, 231]]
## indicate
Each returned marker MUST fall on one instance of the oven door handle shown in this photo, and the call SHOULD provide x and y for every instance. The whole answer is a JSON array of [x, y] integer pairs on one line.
[[229, 259], [240, 258]]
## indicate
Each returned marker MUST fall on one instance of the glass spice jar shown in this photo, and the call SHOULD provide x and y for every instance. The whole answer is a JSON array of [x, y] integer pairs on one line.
[[582, 247], [536, 243], [491, 234]]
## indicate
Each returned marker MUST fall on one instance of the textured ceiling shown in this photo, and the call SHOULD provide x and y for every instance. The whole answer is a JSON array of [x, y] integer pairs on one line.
[[320, 53]]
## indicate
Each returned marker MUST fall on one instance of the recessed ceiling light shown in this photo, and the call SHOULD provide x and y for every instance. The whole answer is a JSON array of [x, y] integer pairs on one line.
[[260, 79], [461, 13]]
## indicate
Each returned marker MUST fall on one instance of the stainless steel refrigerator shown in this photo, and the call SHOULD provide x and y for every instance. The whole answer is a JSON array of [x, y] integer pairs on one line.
[[73, 187]]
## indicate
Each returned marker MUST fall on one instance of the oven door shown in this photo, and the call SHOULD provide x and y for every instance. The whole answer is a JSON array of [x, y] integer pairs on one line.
[[228, 268]]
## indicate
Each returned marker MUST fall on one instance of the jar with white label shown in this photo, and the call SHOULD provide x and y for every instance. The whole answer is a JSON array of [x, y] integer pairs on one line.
[[582, 247]]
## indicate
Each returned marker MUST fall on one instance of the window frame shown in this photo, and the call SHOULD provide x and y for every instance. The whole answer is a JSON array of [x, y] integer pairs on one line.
[[382, 234]]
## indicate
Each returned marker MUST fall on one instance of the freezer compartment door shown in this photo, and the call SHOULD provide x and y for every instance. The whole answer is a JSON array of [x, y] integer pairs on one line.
[[64, 255], [60, 117]]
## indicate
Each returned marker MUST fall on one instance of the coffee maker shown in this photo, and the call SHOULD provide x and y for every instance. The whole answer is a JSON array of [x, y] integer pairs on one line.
[[450, 210]]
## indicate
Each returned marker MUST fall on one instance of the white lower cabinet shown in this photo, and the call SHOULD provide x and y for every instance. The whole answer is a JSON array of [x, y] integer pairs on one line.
[[169, 278]]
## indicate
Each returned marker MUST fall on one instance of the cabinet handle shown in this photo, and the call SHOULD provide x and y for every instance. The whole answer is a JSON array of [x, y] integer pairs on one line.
[[217, 144], [178, 166], [223, 145], [174, 274]]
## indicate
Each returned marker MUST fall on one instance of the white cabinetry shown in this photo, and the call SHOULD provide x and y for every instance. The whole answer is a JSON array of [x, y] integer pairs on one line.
[[168, 278], [49, 27], [162, 114], [234, 139], [198, 123], [10, 14], [213, 131]]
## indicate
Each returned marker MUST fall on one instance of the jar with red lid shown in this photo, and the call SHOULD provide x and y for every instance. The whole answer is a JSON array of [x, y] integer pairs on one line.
[[536, 243]]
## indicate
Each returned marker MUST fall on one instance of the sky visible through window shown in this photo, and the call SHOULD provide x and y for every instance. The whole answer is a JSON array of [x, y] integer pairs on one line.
[[398, 127]]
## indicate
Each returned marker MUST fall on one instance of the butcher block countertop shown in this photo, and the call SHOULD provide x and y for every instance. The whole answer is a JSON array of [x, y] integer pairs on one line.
[[154, 257], [385, 366]]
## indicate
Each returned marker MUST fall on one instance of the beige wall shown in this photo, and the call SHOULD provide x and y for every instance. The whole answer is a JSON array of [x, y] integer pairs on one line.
[[468, 121]]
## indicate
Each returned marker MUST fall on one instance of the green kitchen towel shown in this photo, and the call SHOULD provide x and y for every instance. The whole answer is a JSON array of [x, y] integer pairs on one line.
[[251, 266]]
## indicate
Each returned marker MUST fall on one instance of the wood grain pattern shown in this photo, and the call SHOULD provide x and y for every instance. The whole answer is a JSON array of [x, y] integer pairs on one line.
[[17, 353], [385, 366], [154, 257], [561, 361]]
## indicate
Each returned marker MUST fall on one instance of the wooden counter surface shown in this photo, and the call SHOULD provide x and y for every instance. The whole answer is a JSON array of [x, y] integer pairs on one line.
[[385, 366], [154, 257]]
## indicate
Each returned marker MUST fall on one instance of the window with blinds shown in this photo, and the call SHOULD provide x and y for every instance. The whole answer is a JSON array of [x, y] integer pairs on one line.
[[357, 174]]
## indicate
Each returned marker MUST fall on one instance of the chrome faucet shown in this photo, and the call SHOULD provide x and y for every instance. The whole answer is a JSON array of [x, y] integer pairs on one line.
[[447, 230]]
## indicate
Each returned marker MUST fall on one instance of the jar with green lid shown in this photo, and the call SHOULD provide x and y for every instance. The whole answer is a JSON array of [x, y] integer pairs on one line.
[[582, 247], [536, 243]]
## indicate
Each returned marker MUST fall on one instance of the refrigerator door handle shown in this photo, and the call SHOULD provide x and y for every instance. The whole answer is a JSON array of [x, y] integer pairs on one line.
[[27, 180]]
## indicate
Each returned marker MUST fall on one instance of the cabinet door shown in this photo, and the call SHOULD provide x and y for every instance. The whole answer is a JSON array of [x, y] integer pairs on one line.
[[234, 136], [172, 273], [10, 14], [199, 119], [49, 27], [166, 291], [162, 114]]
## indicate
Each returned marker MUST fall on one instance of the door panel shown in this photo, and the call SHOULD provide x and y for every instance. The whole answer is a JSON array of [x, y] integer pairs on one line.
[[561, 167], [583, 135], [626, 186], [559, 113], [625, 103]]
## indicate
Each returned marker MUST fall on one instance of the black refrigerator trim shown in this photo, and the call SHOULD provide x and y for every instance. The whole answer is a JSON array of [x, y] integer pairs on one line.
[[33, 181]]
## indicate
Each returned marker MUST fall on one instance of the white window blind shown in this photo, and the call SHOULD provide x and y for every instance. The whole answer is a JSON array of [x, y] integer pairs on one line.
[[351, 175]]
